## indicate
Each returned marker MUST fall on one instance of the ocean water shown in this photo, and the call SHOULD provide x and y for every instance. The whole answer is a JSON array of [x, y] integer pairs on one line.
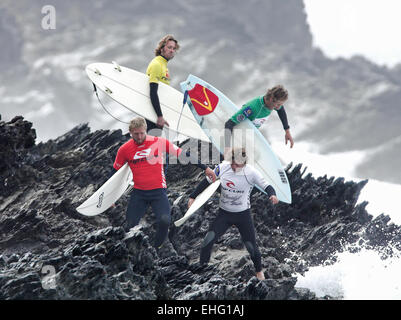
[[363, 275], [360, 275]]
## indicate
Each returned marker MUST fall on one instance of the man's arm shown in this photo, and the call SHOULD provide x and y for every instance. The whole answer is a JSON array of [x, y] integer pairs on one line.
[[154, 98], [283, 117], [200, 188]]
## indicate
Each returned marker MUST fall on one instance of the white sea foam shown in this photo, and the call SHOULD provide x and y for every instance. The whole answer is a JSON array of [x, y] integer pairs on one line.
[[363, 275]]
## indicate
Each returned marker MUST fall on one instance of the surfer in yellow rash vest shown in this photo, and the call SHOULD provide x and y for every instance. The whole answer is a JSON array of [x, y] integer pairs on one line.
[[257, 110], [158, 72]]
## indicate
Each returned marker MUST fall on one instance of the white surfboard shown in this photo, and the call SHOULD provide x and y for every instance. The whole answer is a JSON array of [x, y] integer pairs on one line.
[[199, 202], [212, 109], [131, 89], [108, 193]]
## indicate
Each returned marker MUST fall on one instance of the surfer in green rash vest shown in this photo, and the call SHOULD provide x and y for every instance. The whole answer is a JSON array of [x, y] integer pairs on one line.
[[257, 110], [158, 72]]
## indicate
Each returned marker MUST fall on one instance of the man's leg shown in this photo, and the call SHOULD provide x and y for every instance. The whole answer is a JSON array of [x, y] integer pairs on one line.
[[247, 231], [135, 210], [161, 209], [217, 228]]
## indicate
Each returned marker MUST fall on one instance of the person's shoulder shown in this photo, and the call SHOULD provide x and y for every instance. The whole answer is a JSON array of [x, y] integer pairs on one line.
[[254, 101], [250, 169], [155, 63], [159, 60], [126, 145], [152, 139], [223, 166], [154, 59], [157, 140]]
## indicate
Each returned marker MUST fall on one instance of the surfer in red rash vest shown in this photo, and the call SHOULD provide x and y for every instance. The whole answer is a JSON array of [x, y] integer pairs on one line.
[[144, 156]]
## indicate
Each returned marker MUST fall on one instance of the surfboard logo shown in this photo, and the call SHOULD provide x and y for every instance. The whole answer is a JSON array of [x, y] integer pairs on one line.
[[282, 176], [203, 100], [142, 154], [100, 201]]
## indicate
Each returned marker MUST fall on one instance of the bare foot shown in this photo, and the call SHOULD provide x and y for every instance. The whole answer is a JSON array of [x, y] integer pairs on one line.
[[260, 275]]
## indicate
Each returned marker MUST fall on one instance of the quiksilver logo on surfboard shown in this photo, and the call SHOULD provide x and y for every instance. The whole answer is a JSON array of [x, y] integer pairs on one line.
[[203, 100]]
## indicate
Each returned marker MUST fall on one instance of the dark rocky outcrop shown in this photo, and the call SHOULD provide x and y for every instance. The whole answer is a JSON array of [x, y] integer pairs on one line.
[[49, 251]]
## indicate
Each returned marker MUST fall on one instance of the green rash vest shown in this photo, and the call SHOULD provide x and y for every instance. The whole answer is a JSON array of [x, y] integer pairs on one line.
[[253, 109]]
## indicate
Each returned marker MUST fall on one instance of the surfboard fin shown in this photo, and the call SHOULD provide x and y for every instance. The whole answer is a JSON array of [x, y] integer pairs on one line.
[[129, 189], [116, 66]]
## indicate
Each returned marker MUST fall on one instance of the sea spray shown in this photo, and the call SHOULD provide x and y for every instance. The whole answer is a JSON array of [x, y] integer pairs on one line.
[[361, 275]]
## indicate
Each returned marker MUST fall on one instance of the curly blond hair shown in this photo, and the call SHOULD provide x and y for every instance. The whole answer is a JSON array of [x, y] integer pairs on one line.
[[278, 93], [163, 41]]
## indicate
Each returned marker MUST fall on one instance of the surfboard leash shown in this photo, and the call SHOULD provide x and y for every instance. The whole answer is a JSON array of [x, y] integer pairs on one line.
[[105, 109], [182, 109]]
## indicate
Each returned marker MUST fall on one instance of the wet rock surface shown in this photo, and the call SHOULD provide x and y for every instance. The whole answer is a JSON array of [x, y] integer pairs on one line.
[[50, 251]]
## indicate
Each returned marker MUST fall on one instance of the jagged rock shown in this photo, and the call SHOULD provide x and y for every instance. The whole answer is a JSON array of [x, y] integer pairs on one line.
[[49, 251]]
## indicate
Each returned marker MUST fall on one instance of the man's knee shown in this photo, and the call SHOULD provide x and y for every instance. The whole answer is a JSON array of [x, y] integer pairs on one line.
[[165, 219]]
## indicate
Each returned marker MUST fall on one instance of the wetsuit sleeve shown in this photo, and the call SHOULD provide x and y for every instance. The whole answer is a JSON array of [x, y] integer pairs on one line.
[[120, 159], [205, 183], [270, 191], [283, 117], [200, 188], [154, 98]]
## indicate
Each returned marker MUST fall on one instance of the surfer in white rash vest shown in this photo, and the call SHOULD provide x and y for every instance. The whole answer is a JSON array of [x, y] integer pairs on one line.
[[237, 181], [257, 110], [158, 72]]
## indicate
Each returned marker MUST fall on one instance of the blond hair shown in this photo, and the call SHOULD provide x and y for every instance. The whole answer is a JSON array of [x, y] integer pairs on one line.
[[278, 93], [137, 122], [163, 41]]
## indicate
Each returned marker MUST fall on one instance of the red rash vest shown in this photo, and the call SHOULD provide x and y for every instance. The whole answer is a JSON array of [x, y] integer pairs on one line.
[[146, 161]]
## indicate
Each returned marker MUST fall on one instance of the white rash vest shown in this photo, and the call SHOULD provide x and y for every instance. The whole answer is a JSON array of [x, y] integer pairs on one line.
[[236, 187]]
